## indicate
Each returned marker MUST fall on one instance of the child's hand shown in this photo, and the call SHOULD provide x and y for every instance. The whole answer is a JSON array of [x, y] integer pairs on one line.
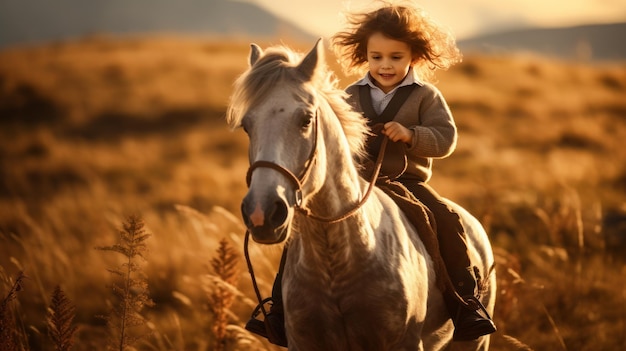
[[397, 132]]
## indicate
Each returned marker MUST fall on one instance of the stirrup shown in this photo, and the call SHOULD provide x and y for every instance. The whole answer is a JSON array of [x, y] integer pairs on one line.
[[272, 328], [474, 304], [256, 325]]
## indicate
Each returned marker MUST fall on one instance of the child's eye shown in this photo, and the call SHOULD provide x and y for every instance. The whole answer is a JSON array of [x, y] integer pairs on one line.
[[397, 58]]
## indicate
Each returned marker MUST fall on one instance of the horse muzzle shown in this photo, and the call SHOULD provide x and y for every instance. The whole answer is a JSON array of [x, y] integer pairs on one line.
[[267, 218]]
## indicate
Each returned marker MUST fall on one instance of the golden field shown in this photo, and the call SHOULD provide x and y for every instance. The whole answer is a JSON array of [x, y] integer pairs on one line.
[[95, 130]]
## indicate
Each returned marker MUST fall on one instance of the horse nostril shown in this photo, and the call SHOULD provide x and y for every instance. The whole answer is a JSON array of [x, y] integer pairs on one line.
[[244, 215], [279, 216]]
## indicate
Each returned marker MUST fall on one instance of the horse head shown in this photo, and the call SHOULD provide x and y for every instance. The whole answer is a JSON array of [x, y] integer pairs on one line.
[[279, 114]]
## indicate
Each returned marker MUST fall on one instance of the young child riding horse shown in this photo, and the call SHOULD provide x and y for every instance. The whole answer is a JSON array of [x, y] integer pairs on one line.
[[401, 47]]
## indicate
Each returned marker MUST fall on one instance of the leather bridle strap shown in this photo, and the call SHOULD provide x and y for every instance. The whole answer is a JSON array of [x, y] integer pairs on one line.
[[297, 181], [284, 171]]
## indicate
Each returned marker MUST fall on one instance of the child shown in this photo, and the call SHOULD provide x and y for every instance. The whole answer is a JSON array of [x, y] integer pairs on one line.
[[402, 47]]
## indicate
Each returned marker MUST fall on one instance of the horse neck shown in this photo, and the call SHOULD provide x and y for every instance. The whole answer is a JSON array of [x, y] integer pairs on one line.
[[341, 185], [341, 191]]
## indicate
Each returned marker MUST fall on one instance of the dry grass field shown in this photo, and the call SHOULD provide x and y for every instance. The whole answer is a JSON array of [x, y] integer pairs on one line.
[[96, 131]]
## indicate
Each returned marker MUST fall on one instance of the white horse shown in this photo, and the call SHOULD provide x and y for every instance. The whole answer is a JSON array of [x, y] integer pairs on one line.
[[357, 275]]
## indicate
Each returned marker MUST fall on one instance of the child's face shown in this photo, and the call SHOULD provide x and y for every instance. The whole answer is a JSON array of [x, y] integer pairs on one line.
[[389, 61]]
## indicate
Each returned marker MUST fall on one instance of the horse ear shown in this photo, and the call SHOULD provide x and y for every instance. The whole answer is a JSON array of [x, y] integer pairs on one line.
[[255, 53], [309, 63]]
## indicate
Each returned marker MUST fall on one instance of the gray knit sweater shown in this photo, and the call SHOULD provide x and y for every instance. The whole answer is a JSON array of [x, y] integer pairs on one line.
[[434, 132]]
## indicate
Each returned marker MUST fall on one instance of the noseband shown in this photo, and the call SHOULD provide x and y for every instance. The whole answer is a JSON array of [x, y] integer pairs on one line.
[[299, 180]]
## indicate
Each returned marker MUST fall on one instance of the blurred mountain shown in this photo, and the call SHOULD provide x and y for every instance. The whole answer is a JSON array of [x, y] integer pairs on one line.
[[32, 21], [600, 42]]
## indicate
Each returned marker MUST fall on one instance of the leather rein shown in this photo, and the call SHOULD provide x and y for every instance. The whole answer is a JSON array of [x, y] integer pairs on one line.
[[298, 181]]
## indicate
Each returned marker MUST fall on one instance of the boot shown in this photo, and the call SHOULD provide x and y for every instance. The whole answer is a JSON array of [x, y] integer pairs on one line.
[[471, 319]]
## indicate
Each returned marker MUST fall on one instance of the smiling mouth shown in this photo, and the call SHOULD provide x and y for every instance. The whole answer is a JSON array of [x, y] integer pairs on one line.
[[387, 76]]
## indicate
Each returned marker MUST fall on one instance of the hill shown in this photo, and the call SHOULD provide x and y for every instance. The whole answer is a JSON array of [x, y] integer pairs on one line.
[[24, 22], [32, 22], [96, 129], [602, 42]]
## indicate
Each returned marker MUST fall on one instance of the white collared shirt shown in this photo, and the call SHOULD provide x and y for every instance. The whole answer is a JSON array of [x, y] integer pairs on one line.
[[380, 100]]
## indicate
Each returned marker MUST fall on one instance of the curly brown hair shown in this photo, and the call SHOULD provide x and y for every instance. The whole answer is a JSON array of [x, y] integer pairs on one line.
[[431, 45]]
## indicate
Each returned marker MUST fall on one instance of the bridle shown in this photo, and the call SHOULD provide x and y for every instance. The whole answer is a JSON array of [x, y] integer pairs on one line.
[[301, 179], [298, 181]]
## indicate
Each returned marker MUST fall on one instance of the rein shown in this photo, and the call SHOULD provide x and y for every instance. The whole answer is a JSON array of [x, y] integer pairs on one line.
[[297, 181], [350, 213]]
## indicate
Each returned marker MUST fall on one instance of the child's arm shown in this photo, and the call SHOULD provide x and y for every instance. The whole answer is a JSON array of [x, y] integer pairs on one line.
[[435, 135]]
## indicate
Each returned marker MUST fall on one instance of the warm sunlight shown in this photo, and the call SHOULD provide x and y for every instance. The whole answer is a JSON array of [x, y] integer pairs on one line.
[[465, 18], [127, 192]]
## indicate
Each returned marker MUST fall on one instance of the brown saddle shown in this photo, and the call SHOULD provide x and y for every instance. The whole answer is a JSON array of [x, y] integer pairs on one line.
[[424, 223]]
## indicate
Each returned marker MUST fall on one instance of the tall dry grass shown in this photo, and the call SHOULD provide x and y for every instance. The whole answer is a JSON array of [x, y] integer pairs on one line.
[[222, 292], [94, 130], [60, 318], [11, 333], [130, 287]]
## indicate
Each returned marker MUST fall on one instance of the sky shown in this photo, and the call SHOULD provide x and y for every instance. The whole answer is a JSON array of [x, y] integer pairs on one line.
[[465, 18]]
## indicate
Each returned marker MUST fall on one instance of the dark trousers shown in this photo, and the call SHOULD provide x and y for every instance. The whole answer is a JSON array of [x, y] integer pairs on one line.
[[451, 235]]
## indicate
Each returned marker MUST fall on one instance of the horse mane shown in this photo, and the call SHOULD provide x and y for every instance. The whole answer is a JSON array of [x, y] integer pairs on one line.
[[277, 66]]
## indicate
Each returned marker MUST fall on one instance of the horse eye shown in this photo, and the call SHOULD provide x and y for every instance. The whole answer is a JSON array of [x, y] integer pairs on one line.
[[306, 120]]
